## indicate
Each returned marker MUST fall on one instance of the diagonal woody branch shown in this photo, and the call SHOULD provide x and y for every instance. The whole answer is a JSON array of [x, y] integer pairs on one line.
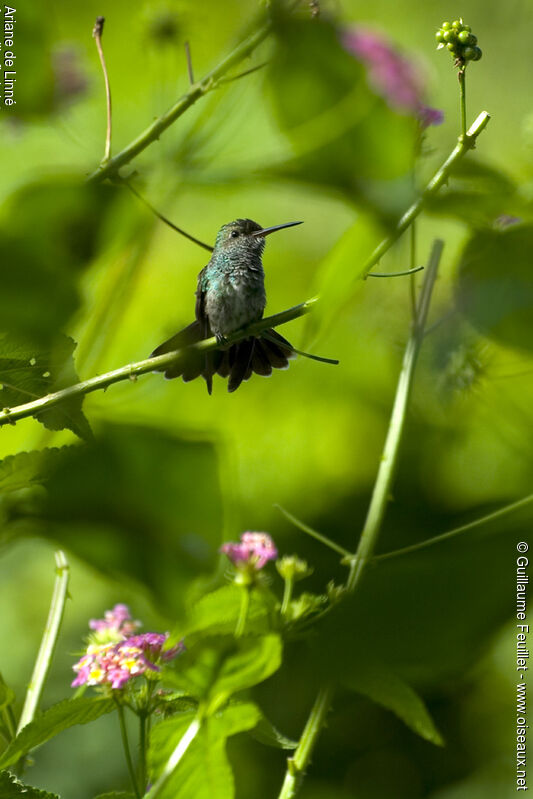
[[109, 168], [133, 370]]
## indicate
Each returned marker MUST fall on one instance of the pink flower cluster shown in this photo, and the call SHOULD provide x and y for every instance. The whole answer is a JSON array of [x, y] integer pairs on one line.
[[117, 621], [115, 662], [254, 549], [391, 74]]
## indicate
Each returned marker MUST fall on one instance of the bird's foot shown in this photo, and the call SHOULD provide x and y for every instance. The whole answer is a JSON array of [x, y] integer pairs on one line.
[[222, 341]]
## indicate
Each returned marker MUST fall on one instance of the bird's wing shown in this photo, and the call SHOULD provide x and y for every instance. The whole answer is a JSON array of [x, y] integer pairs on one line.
[[201, 315]]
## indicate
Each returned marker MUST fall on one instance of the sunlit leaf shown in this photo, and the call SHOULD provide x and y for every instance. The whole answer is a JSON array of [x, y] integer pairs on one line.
[[12, 788], [216, 668], [340, 273], [52, 721], [204, 772], [217, 612], [29, 371]]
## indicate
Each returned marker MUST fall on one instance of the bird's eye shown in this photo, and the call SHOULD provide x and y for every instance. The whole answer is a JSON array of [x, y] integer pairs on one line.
[[235, 234]]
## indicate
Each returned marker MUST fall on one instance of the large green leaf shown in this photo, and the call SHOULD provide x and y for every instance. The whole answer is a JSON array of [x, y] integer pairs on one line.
[[26, 468], [217, 612], [477, 194], [12, 788], [204, 772], [216, 668], [139, 503], [372, 678], [52, 721], [116, 795], [49, 231], [340, 273], [341, 133], [28, 371], [495, 284]]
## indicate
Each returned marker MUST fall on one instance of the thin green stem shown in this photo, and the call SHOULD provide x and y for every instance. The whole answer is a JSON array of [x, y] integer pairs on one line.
[[412, 260], [298, 763], [97, 34], [188, 737], [389, 458], [132, 371], [143, 743], [287, 595], [195, 92], [243, 611], [411, 271], [462, 99], [464, 528], [48, 642], [440, 177], [164, 218], [314, 533], [126, 747]]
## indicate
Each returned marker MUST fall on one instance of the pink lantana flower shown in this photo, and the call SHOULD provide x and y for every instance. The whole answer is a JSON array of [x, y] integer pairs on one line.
[[114, 656], [391, 74], [253, 551]]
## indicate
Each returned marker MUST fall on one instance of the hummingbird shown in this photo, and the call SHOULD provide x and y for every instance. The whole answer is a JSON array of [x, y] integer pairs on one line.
[[230, 295]]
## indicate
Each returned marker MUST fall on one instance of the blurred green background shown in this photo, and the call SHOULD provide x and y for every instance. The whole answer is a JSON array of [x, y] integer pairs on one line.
[[309, 439]]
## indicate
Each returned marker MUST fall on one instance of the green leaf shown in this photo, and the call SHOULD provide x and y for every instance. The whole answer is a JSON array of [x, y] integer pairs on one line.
[[216, 668], [374, 679], [477, 194], [339, 275], [217, 613], [7, 695], [25, 468], [148, 508], [267, 734], [28, 372], [11, 788], [495, 284], [341, 133], [116, 795], [50, 231], [204, 771], [52, 721]]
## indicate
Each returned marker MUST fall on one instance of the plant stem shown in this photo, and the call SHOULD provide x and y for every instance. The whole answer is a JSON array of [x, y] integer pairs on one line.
[[462, 99], [243, 611], [48, 642], [440, 177], [314, 533], [387, 466], [131, 371], [196, 91], [287, 595], [142, 751], [188, 737], [97, 34], [126, 746], [464, 528], [412, 260], [297, 764], [164, 218]]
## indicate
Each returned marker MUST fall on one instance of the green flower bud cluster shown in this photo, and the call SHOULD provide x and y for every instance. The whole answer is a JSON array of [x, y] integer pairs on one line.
[[459, 40]]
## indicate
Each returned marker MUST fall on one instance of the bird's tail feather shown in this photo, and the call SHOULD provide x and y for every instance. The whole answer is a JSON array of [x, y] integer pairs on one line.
[[238, 362]]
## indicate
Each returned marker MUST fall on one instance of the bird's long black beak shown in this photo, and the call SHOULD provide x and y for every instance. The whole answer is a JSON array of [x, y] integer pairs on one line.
[[266, 230]]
